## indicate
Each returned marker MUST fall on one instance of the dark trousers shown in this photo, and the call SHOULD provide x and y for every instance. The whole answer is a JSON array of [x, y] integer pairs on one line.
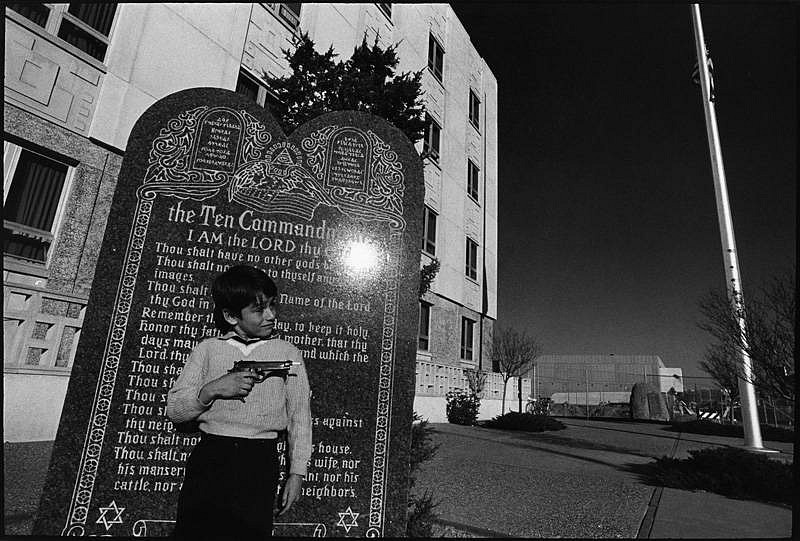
[[229, 490]]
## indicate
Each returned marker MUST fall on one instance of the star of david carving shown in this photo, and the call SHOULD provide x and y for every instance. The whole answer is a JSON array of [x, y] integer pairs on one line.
[[348, 514], [116, 520]]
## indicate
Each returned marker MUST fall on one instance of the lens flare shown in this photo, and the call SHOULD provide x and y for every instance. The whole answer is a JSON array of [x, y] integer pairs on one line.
[[361, 257]]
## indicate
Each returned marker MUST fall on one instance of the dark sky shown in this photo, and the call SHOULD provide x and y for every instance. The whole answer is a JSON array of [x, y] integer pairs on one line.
[[608, 231]]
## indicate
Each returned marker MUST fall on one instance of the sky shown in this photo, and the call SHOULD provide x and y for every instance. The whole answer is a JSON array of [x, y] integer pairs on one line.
[[607, 223]]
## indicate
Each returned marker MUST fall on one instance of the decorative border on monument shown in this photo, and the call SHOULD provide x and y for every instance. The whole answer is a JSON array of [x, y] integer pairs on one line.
[[170, 173], [385, 386], [93, 444]]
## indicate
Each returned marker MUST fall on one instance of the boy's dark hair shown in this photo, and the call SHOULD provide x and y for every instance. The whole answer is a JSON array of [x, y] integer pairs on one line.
[[236, 288]]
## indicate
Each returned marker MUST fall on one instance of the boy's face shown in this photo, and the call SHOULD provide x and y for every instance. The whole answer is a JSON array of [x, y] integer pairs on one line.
[[257, 319]]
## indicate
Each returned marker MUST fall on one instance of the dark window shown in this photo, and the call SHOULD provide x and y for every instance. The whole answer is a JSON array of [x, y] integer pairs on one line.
[[35, 12], [31, 205], [429, 232], [98, 16], [467, 332], [430, 147], [290, 12], [271, 102], [474, 109], [472, 259], [247, 87], [387, 9], [435, 57], [87, 26], [424, 326], [472, 179]]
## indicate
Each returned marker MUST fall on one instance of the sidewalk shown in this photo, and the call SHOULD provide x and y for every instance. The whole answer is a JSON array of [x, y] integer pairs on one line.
[[570, 483], [577, 483]]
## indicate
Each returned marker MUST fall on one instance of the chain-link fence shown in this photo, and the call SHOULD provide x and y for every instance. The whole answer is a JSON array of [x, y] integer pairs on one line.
[[598, 391]]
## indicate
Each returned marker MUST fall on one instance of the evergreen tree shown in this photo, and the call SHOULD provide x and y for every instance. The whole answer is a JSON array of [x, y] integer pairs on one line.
[[366, 82]]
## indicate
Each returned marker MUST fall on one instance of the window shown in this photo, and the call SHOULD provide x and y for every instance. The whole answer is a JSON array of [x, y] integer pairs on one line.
[[33, 194], [247, 87], [435, 57], [430, 147], [386, 9], [429, 232], [472, 179], [472, 259], [35, 12], [290, 13], [474, 109], [467, 332], [85, 26], [424, 326]]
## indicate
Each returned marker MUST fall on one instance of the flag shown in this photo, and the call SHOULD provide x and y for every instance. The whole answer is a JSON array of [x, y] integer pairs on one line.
[[695, 76]]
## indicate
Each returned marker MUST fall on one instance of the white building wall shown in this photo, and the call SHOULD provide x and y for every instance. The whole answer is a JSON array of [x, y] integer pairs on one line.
[[32, 406], [157, 49]]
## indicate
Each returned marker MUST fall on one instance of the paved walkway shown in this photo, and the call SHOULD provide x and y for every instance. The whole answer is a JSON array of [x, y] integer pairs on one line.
[[577, 483], [569, 483]]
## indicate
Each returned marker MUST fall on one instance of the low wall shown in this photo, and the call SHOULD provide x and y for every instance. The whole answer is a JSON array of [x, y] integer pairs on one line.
[[32, 406], [434, 408]]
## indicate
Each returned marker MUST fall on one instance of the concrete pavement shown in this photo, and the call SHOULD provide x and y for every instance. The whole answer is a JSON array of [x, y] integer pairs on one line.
[[570, 483], [578, 483]]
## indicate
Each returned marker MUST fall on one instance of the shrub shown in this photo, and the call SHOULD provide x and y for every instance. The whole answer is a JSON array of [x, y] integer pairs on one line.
[[421, 515], [462, 407], [735, 431], [525, 421], [420, 508], [728, 471]]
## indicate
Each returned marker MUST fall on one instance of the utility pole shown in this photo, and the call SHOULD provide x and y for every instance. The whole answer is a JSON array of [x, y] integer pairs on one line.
[[752, 432]]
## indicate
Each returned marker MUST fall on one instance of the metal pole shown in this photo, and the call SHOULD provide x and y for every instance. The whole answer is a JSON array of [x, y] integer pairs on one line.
[[587, 393], [752, 432]]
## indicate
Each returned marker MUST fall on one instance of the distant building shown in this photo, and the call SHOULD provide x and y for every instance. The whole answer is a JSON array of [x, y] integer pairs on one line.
[[599, 378], [78, 76]]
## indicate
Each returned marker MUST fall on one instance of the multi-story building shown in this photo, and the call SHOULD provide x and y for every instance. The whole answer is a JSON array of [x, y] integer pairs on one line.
[[78, 76], [581, 379]]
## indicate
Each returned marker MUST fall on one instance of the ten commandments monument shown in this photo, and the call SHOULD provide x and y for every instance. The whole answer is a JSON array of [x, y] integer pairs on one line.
[[333, 214]]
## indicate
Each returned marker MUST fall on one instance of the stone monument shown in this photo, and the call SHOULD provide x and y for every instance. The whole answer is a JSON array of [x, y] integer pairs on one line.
[[333, 214]]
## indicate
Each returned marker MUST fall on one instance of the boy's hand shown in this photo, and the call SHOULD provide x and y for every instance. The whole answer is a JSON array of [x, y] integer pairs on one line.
[[291, 492], [232, 385]]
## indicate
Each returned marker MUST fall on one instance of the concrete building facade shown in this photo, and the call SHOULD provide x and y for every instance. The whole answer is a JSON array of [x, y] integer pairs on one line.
[[78, 76]]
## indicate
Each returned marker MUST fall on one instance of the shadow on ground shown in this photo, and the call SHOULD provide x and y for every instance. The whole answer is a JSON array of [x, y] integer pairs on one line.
[[771, 485]]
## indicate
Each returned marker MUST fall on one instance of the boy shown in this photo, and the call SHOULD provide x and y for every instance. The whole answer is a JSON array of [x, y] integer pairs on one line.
[[232, 473]]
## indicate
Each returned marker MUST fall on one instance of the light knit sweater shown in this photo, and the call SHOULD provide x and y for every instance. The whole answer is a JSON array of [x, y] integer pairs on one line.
[[274, 404]]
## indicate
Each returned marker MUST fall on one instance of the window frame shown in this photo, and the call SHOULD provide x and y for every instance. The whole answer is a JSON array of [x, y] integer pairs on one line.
[[59, 13], [11, 156], [386, 9], [277, 9], [471, 246], [467, 350], [424, 307], [473, 180], [427, 146], [474, 112], [433, 47], [426, 241]]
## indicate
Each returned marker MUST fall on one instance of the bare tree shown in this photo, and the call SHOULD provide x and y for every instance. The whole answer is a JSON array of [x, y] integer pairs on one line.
[[768, 338], [514, 353], [476, 379], [721, 364]]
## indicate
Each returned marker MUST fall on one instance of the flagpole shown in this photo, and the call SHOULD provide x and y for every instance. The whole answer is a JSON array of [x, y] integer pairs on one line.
[[747, 394]]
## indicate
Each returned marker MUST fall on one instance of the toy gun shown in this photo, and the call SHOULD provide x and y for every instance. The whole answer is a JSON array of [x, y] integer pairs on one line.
[[264, 369]]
